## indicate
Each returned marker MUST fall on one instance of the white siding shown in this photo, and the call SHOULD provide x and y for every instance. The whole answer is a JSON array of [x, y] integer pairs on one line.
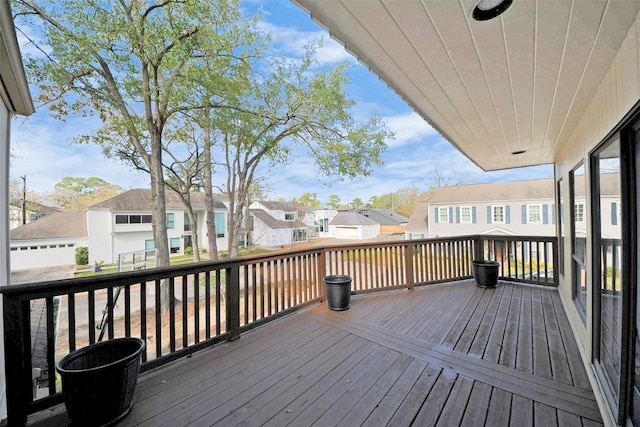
[[617, 94], [99, 230], [39, 253]]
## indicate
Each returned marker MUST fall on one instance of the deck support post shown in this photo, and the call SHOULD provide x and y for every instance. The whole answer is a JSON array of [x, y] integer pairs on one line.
[[408, 265], [17, 337], [233, 301]]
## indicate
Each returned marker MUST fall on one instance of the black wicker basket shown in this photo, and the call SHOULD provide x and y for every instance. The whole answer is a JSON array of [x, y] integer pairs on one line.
[[337, 289], [98, 381], [485, 273]]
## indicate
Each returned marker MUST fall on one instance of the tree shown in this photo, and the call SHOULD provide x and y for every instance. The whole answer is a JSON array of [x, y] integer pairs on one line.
[[334, 201], [309, 200], [293, 104], [80, 193], [131, 64], [356, 203]]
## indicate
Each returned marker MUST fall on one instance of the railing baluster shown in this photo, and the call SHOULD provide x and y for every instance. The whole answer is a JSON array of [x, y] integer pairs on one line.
[[196, 308], [158, 317], [143, 317], [185, 311], [51, 346], [71, 308]]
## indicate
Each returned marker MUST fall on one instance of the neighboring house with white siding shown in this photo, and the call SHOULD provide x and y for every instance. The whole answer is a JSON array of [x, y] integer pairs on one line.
[[50, 241], [508, 208], [418, 225], [353, 225], [276, 224], [32, 212], [123, 224]]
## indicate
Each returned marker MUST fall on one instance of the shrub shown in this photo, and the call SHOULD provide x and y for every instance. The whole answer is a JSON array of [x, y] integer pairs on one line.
[[82, 255]]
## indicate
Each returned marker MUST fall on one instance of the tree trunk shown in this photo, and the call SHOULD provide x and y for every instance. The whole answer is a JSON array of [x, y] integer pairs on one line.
[[159, 222], [208, 191]]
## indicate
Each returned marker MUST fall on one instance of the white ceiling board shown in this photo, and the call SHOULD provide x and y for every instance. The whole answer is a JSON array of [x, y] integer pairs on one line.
[[518, 82]]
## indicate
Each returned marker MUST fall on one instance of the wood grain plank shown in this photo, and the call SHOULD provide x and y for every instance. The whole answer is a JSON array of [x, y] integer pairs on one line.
[[476, 412], [415, 398], [456, 403], [437, 399], [521, 411]]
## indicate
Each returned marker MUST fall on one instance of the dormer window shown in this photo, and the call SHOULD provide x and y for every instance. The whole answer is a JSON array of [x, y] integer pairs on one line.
[[289, 216]]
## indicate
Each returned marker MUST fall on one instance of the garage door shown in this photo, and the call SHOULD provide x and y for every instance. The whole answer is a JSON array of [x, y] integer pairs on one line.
[[35, 256], [347, 233]]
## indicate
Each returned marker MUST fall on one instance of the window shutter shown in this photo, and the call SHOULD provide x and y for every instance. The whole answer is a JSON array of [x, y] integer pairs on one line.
[[545, 214], [473, 215], [507, 214], [457, 215], [436, 217], [553, 213], [524, 214], [450, 214], [488, 214], [614, 213]]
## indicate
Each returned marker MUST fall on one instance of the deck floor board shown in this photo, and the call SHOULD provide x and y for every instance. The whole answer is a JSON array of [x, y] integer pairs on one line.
[[445, 355]]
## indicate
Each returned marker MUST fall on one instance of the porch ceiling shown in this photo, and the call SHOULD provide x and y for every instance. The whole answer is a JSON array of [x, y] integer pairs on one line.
[[518, 82]]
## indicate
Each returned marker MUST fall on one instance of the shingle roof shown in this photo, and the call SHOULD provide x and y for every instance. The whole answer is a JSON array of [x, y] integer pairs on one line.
[[274, 223], [282, 206], [56, 225], [498, 191], [384, 216], [419, 217], [351, 218], [140, 199]]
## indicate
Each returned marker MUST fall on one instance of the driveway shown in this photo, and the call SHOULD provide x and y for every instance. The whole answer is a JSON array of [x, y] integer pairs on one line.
[[42, 274]]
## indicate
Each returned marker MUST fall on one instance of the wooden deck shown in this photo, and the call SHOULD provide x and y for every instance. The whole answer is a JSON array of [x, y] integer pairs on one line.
[[444, 355]]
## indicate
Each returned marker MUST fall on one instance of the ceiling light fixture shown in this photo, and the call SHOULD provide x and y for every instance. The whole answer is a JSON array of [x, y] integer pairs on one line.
[[489, 9]]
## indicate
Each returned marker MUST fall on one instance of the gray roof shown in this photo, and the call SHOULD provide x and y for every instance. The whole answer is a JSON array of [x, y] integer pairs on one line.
[[140, 200], [279, 206], [351, 218], [498, 191], [36, 207], [62, 224], [274, 223], [384, 216], [419, 217]]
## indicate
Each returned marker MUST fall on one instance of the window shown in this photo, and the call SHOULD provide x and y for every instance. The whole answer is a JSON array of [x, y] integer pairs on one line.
[[579, 212], [577, 191], [443, 215], [218, 218], [174, 245], [187, 222], [465, 214], [497, 214], [171, 221], [133, 219], [149, 244], [534, 214], [289, 216]]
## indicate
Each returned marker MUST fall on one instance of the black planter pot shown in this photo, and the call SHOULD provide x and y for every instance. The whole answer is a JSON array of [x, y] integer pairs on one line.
[[98, 381], [485, 273], [337, 289]]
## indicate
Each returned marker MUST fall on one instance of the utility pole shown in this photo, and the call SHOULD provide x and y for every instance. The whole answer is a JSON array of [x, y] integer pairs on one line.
[[24, 199]]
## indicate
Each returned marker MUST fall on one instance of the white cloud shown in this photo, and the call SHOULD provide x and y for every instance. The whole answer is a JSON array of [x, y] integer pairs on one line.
[[408, 128]]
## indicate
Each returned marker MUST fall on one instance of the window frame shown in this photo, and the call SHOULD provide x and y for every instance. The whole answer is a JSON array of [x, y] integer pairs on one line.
[[493, 214], [529, 214], [462, 220]]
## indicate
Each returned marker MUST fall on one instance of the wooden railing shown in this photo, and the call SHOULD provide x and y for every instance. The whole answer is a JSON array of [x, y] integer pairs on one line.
[[218, 300]]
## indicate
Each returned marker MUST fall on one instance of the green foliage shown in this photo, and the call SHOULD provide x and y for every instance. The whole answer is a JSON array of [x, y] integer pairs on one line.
[[334, 201], [82, 255], [309, 200]]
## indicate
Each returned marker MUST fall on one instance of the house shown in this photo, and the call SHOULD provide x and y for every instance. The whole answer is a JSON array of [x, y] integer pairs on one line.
[[390, 222], [322, 218], [512, 208], [32, 212], [16, 100], [519, 83], [122, 224], [50, 241], [276, 224], [418, 224], [353, 225]]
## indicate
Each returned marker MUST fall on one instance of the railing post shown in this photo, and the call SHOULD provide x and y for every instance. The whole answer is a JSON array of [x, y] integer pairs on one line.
[[233, 301], [479, 248], [322, 271], [408, 265], [17, 337]]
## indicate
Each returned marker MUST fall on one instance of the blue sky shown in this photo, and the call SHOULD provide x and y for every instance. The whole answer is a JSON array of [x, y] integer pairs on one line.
[[42, 148]]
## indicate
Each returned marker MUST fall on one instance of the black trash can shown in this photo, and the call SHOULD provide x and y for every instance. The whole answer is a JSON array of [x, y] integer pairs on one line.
[[98, 381], [337, 289], [485, 273]]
